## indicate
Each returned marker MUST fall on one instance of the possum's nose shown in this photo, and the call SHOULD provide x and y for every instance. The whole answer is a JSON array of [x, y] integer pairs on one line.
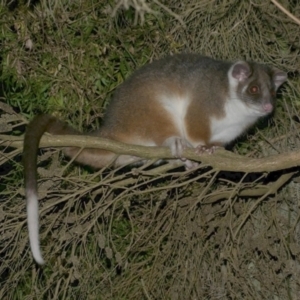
[[268, 107]]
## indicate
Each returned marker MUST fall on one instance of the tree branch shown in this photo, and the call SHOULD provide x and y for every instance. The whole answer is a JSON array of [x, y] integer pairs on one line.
[[220, 160]]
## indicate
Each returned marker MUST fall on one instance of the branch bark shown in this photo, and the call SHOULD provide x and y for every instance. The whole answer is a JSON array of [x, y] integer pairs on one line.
[[220, 160]]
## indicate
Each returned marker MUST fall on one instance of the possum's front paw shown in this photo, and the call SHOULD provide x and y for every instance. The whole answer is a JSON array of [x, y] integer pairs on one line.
[[201, 149], [177, 146]]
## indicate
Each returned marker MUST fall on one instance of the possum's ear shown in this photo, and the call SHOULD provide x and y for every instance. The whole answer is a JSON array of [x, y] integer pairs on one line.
[[241, 70], [279, 77]]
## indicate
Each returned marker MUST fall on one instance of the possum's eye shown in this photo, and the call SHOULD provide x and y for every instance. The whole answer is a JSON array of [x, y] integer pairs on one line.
[[253, 89]]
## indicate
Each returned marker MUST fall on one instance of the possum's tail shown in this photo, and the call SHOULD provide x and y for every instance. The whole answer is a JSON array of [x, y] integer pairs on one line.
[[96, 158], [36, 128]]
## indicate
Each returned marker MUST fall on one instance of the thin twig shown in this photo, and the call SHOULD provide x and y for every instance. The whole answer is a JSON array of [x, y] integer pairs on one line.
[[284, 10], [170, 12]]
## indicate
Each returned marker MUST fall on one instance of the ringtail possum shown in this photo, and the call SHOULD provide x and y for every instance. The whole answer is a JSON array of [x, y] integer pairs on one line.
[[185, 100]]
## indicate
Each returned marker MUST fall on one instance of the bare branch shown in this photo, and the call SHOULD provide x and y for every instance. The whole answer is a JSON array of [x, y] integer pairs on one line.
[[221, 160]]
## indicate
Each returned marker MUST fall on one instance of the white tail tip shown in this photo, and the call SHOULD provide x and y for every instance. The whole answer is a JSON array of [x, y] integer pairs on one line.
[[33, 227]]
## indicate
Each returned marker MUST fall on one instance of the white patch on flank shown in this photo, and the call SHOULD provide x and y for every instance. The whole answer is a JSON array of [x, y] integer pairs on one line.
[[33, 226], [177, 107]]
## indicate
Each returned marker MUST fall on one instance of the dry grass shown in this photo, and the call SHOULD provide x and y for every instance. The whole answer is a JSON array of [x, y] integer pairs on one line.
[[154, 232]]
